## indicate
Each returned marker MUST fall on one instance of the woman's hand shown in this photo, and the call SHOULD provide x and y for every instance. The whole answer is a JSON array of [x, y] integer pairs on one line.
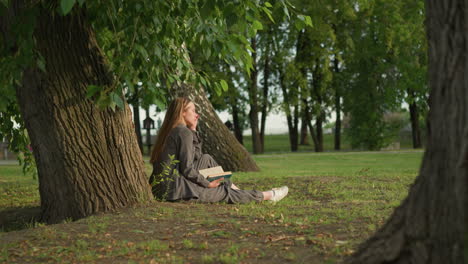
[[215, 183]]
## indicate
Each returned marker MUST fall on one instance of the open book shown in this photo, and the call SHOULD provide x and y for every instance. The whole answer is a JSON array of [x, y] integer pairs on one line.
[[215, 173]]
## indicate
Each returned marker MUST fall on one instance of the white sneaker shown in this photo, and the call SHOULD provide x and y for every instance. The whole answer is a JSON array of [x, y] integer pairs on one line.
[[279, 193]]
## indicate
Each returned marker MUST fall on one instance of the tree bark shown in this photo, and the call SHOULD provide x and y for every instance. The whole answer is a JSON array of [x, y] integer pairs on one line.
[[218, 141], [431, 225], [88, 159], [414, 117], [253, 114]]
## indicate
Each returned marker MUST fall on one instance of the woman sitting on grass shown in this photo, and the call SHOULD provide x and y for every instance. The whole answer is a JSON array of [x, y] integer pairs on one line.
[[177, 159]]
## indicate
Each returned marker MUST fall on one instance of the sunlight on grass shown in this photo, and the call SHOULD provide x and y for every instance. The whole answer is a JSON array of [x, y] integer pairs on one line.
[[336, 200]]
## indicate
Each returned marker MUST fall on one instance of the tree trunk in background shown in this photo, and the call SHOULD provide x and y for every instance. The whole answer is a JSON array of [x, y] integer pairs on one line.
[[414, 117], [304, 138], [292, 120], [137, 126], [148, 133], [337, 107], [238, 128], [136, 120], [311, 127], [318, 127], [293, 132], [88, 159], [253, 114], [301, 57], [315, 90], [266, 77], [431, 225], [218, 141]]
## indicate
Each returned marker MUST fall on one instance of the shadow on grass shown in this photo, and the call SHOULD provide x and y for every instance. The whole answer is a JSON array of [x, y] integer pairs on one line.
[[18, 218]]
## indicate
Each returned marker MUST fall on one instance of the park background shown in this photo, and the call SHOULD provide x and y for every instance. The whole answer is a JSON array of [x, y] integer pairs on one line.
[[352, 76]]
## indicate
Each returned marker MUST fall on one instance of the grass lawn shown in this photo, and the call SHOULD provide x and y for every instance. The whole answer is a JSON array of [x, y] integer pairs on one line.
[[336, 201]]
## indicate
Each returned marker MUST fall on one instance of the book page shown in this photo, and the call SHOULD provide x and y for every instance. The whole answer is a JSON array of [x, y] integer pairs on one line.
[[211, 171], [226, 173]]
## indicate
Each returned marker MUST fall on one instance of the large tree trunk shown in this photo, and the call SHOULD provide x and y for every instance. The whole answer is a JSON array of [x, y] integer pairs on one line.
[[253, 114], [218, 141], [431, 225], [88, 159], [414, 117]]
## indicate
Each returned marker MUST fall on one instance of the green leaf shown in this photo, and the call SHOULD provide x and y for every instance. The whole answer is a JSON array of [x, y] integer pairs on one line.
[[129, 84], [203, 81], [159, 103], [41, 64], [217, 89], [142, 50], [299, 23], [66, 6], [267, 4], [117, 100], [308, 21], [92, 90], [257, 25], [81, 2], [286, 11], [103, 101], [268, 12], [224, 85]]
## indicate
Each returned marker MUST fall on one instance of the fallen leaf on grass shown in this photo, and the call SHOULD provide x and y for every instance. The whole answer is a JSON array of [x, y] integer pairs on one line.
[[274, 239], [139, 231], [341, 242]]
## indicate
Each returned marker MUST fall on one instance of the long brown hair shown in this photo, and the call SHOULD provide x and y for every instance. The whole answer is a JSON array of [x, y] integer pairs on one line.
[[174, 116]]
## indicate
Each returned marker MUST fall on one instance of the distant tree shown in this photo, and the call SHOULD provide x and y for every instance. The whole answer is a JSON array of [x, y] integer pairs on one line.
[[412, 65], [431, 224], [254, 101], [371, 68]]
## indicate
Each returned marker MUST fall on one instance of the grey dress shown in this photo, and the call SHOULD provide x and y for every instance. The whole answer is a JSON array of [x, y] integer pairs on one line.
[[182, 181]]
